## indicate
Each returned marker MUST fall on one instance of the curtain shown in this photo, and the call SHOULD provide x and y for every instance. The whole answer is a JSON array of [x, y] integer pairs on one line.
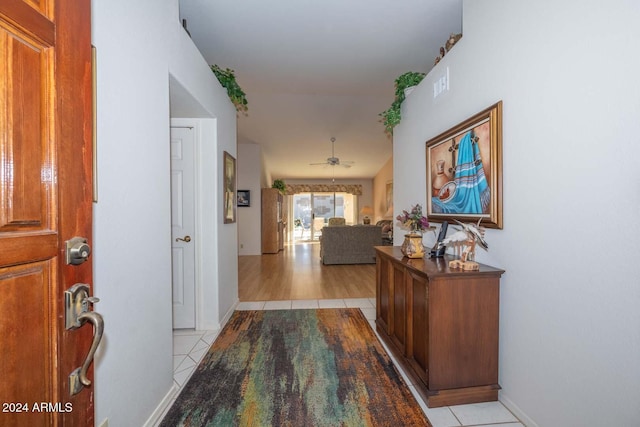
[[355, 189]]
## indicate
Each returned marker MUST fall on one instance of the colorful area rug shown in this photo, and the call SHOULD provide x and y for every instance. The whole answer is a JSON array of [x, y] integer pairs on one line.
[[296, 368]]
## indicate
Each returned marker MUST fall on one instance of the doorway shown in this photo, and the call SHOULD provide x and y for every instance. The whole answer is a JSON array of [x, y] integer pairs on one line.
[[183, 202]]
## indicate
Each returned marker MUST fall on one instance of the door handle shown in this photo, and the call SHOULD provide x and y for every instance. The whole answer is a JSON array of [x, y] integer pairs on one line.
[[98, 328], [77, 313], [184, 239]]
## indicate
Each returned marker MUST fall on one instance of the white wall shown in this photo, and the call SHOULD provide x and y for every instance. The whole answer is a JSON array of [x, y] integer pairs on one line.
[[188, 67], [139, 44], [249, 178], [567, 72]]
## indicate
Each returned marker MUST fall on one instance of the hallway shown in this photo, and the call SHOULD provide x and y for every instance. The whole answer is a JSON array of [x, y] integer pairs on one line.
[[296, 273], [296, 279]]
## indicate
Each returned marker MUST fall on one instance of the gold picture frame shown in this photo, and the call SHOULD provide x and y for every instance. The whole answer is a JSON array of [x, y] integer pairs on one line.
[[464, 171], [388, 193], [229, 188]]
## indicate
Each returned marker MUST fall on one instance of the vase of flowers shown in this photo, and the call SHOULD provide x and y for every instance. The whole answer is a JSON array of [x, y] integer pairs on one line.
[[417, 224]]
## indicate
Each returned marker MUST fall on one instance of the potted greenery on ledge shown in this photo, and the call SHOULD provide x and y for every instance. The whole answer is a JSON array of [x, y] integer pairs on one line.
[[391, 117], [280, 185], [227, 79]]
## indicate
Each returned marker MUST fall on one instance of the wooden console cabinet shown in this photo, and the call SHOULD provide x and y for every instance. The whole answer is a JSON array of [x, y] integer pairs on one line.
[[441, 324]]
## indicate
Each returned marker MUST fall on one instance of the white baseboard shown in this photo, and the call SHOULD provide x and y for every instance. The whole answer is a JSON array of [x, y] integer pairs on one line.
[[515, 410], [163, 407], [201, 326], [228, 314]]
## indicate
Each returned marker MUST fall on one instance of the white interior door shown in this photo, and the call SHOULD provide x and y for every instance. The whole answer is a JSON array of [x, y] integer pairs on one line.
[[183, 226]]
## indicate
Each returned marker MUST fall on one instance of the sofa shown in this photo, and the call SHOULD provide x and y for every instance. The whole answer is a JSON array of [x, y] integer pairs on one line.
[[350, 244]]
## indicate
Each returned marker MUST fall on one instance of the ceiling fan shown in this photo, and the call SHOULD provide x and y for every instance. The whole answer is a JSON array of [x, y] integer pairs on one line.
[[333, 160]]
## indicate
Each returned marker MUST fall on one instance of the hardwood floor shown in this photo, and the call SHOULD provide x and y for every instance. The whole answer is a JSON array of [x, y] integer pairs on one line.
[[297, 273]]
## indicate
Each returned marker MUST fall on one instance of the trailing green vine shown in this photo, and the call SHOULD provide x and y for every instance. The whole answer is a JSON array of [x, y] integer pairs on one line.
[[392, 116], [227, 79]]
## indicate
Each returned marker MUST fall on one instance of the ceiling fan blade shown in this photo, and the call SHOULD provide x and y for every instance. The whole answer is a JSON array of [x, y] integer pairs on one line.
[[320, 165], [333, 160]]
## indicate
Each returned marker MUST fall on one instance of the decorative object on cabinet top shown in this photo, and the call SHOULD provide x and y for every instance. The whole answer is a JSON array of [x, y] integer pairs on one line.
[[467, 237], [417, 224], [434, 267], [413, 220]]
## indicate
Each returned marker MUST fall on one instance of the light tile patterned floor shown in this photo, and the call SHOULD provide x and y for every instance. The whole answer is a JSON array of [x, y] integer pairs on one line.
[[189, 347]]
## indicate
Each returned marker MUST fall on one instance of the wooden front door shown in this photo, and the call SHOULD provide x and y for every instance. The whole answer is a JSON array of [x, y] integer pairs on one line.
[[45, 200]]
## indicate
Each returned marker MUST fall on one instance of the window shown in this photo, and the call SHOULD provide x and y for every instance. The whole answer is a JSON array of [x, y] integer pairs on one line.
[[311, 211]]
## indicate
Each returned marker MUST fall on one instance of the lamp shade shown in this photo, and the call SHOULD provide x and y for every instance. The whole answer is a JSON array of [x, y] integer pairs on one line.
[[366, 211]]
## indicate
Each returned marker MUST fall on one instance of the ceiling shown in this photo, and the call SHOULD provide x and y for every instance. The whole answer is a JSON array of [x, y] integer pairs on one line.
[[313, 70]]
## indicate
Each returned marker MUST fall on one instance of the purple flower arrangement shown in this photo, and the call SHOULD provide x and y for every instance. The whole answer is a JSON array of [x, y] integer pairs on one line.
[[414, 220]]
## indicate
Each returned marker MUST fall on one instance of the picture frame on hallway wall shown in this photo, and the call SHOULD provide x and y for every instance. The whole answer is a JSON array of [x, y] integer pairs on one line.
[[229, 188], [464, 171], [244, 198], [389, 196]]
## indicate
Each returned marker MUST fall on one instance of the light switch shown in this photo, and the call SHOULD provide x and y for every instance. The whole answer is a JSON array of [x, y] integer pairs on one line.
[[441, 84]]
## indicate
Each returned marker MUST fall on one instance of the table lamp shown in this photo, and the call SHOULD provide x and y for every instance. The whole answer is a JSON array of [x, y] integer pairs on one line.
[[366, 211]]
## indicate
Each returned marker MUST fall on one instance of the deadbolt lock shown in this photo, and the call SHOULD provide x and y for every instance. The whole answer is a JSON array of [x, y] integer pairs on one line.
[[78, 250]]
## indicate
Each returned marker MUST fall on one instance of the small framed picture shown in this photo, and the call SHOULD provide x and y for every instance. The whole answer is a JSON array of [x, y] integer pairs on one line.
[[244, 198]]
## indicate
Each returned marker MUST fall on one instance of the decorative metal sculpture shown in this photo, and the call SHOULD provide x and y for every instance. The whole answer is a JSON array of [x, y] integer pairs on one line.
[[467, 238]]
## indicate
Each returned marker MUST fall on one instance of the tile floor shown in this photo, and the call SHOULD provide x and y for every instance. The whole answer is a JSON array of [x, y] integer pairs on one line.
[[189, 347]]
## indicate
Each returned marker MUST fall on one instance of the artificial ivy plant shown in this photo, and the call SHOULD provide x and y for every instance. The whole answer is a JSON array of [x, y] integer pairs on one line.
[[391, 117], [280, 185], [227, 79]]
